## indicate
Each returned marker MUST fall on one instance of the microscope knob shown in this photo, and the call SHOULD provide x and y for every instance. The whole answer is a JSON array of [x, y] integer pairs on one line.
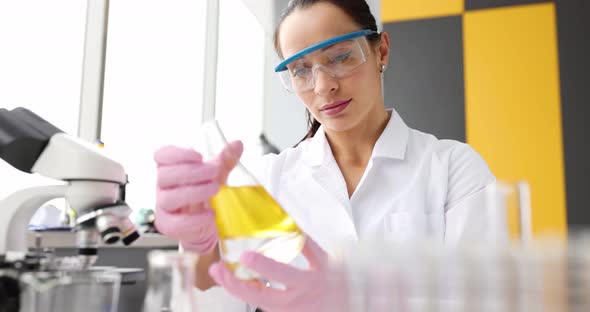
[[127, 240], [111, 235]]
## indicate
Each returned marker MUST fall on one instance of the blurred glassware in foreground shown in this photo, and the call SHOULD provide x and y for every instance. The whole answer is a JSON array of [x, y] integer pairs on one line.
[[171, 281], [543, 275], [508, 207], [65, 291]]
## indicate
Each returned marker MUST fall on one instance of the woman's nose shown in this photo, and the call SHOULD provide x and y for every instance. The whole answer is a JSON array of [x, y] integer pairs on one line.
[[324, 82]]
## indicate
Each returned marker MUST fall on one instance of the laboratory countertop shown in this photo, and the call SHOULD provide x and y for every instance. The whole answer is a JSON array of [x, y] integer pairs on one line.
[[53, 239]]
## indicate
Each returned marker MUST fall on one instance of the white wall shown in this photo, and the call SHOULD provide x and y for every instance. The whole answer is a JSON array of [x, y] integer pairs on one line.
[[240, 76], [41, 47], [154, 82], [153, 85]]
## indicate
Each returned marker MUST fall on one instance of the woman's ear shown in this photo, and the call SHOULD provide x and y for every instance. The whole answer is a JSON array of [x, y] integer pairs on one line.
[[384, 49]]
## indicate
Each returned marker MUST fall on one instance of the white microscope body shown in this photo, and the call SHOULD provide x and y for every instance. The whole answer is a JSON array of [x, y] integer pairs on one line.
[[94, 186]]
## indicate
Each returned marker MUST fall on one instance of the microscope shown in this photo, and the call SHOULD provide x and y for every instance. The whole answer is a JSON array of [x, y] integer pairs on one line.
[[93, 186]]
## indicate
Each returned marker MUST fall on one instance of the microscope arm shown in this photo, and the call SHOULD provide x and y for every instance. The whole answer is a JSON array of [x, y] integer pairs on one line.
[[22, 206]]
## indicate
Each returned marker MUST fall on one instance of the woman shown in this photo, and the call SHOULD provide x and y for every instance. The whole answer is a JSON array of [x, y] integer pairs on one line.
[[364, 173]]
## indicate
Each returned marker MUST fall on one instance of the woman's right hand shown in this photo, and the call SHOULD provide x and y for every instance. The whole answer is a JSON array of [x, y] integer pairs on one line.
[[185, 186]]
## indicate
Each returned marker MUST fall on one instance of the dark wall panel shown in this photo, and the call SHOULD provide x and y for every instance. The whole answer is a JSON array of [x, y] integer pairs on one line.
[[424, 80], [483, 4], [573, 25]]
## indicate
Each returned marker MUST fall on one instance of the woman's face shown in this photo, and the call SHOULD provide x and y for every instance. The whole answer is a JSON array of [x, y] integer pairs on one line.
[[359, 92]]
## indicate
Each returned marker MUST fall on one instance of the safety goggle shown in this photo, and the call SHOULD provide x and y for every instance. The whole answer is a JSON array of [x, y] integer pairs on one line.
[[337, 57]]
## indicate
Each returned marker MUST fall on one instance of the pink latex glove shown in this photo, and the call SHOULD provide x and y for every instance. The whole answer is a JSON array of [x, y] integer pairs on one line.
[[185, 186], [318, 289]]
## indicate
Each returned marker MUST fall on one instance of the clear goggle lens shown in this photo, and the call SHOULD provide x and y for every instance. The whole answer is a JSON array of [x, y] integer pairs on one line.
[[338, 60]]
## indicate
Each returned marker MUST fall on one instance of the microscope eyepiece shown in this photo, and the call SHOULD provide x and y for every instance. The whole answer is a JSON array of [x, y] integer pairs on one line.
[[23, 137]]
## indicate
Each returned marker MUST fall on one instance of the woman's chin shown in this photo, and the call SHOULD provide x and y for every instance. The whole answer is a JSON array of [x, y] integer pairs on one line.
[[340, 125]]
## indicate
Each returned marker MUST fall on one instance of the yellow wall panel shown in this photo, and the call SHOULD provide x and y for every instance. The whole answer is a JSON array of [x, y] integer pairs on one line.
[[398, 10], [512, 100]]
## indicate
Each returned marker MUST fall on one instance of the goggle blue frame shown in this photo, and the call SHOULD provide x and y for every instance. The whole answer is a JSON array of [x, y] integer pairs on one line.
[[283, 65]]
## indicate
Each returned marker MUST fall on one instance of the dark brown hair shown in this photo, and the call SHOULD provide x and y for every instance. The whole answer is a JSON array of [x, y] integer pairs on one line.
[[358, 10]]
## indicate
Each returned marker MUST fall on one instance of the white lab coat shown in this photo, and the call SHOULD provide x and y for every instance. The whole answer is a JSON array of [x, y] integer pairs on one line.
[[414, 187]]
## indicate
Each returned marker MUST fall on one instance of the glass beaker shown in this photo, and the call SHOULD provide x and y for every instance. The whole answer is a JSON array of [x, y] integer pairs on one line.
[[247, 216], [64, 291], [509, 210], [171, 281]]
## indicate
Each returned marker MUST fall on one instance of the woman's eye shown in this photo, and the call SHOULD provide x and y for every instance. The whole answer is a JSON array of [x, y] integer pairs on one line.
[[301, 72], [341, 58]]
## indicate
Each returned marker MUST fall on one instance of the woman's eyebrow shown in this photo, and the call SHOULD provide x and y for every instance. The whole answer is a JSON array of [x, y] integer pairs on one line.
[[305, 58], [339, 45]]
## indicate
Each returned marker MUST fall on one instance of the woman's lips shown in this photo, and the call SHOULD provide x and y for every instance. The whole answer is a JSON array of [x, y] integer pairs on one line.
[[335, 108]]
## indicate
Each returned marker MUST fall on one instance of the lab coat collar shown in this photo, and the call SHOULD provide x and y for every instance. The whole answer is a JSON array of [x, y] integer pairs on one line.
[[391, 144], [318, 148], [393, 141]]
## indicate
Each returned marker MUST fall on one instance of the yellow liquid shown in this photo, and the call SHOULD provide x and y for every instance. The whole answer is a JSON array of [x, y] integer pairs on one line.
[[248, 218]]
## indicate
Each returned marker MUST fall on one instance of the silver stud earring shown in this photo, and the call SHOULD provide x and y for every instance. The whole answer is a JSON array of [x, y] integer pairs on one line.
[[382, 68]]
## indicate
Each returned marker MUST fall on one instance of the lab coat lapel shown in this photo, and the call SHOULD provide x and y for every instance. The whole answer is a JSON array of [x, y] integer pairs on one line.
[[316, 210], [391, 175], [318, 197]]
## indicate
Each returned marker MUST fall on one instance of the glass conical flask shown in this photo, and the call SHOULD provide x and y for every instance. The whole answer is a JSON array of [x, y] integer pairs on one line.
[[171, 281], [247, 216]]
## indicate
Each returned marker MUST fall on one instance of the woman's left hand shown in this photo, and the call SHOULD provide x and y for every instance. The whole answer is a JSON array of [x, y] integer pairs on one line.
[[318, 289]]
